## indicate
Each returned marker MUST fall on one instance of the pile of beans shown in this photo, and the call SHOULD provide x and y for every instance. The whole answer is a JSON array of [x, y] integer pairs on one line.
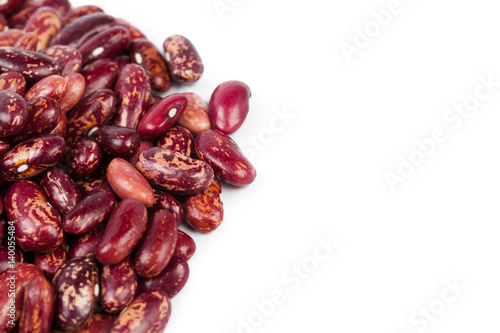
[[99, 166]]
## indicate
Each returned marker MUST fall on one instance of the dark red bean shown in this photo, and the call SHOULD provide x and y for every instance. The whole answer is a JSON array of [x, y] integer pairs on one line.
[[49, 262], [168, 202], [61, 190], [10, 6], [85, 245], [171, 280], [118, 285], [38, 306], [183, 60], [14, 111], [116, 141], [45, 22], [81, 11], [106, 44], [13, 81], [69, 58], [177, 139], [91, 187], [83, 158], [100, 74], [185, 247], [229, 106]]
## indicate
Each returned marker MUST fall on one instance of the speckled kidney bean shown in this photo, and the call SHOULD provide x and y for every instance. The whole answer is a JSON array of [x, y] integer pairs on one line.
[[183, 60], [60, 189], [133, 89], [43, 115], [28, 42], [38, 225], [195, 117], [10, 37], [45, 22], [157, 245], [14, 111], [38, 306], [127, 182], [229, 106], [76, 284], [144, 53], [149, 312], [83, 158], [5, 258], [4, 147], [174, 172], [171, 280], [168, 202], [13, 81], [82, 29], [185, 246], [84, 245], [100, 74], [49, 262], [177, 139], [81, 11], [106, 44], [204, 211], [99, 323], [75, 83], [25, 273], [89, 212], [53, 86], [93, 186], [31, 157], [125, 227], [145, 144], [10, 6], [225, 157], [94, 110], [69, 58], [116, 141], [33, 65], [118, 285], [162, 116]]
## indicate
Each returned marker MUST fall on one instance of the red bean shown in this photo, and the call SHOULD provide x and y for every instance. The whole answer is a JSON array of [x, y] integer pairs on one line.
[[229, 106]]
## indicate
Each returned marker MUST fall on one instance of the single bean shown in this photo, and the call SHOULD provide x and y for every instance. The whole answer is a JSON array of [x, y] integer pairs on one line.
[[61, 190], [28, 42], [38, 306], [53, 86], [69, 58], [183, 60], [116, 141], [10, 37], [185, 247], [204, 211], [75, 83], [45, 22], [61, 126], [106, 44], [100, 74], [144, 53], [85, 245], [49, 262], [83, 158], [13, 81], [195, 117], [14, 111], [171, 280], [229, 106], [179, 139], [118, 285]]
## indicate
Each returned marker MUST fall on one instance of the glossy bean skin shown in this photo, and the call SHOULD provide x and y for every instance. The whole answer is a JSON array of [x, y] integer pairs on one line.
[[144, 53], [93, 186], [53, 86], [89, 212], [33, 65], [38, 306], [49, 262], [13, 81], [133, 89], [225, 157], [61, 126], [171, 280], [157, 245], [14, 112], [5, 262], [81, 11], [174, 172], [118, 285], [27, 42], [145, 144], [25, 273], [125, 227], [163, 200], [74, 283], [106, 44], [10, 37], [99, 323], [195, 117], [38, 225], [149, 312], [94, 110], [100, 74], [69, 58], [45, 22], [204, 211], [229, 106], [19, 19], [75, 83], [127, 182], [10, 6], [185, 247], [60, 189], [31, 157], [162, 116], [134, 33], [43, 115], [4, 147], [84, 245], [83, 158], [183, 60], [116, 141], [79, 31], [179, 139]]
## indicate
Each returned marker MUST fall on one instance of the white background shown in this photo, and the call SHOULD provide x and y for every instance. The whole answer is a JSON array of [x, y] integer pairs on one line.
[[321, 175]]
